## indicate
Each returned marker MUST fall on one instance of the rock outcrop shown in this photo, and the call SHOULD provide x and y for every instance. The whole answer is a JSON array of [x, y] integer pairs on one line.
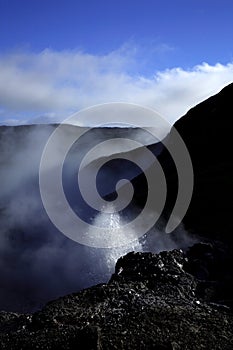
[[150, 302]]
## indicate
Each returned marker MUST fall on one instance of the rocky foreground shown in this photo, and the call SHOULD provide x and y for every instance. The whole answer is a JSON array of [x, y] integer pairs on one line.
[[169, 300]]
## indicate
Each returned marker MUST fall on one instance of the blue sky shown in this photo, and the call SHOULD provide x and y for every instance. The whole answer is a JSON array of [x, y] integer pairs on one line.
[[57, 56]]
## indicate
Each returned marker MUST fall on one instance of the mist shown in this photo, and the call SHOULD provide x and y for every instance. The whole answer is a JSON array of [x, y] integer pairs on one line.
[[37, 262]]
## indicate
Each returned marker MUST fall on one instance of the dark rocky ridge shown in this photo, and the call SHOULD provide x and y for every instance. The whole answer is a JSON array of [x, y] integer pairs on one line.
[[207, 133], [151, 302]]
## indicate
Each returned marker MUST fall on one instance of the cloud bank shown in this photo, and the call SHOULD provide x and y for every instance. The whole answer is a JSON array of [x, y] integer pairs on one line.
[[50, 85]]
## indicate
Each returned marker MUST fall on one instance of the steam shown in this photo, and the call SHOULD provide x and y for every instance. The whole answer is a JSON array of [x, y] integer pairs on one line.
[[37, 262], [154, 241], [119, 238]]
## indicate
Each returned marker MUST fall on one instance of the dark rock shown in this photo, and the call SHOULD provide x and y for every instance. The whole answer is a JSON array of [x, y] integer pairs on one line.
[[149, 303], [211, 264], [207, 132], [163, 271]]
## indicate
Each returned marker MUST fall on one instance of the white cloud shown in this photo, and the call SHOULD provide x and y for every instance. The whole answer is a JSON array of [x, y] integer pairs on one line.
[[54, 84]]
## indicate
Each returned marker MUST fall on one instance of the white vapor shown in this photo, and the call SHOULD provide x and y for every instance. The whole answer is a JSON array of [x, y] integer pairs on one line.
[[48, 86]]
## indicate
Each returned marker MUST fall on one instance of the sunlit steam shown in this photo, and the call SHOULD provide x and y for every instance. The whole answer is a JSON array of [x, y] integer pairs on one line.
[[120, 237]]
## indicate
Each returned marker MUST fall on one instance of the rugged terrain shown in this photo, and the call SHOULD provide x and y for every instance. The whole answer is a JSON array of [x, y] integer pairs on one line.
[[151, 302], [177, 299]]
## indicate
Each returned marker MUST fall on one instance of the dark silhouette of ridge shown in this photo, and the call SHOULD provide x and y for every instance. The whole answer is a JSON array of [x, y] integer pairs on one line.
[[207, 132]]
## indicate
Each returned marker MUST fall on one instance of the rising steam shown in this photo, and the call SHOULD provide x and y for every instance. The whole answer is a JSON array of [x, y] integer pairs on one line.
[[37, 262]]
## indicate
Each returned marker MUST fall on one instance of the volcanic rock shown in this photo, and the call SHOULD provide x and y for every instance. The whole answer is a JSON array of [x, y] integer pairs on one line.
[[150, 302]]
